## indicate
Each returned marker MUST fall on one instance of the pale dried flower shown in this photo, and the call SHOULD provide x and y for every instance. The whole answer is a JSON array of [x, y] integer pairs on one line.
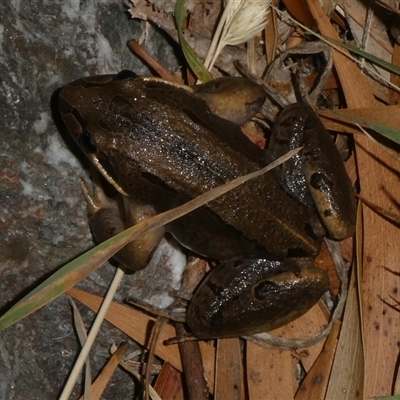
[[240, 22]]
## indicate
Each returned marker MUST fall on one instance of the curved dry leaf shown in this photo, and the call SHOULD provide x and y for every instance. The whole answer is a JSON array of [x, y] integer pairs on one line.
[[315, 383], [228, 370], [270, 371], [101, 382], [379, 234], [135, 324], [347, 375]]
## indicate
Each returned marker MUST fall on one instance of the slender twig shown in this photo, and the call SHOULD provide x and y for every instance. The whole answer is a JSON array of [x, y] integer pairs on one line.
[[92, 335]]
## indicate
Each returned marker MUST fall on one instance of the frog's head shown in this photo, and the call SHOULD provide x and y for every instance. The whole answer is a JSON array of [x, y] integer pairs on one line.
[[84, 103]]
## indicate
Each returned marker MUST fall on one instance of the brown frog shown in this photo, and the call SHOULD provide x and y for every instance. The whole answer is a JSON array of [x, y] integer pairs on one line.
[[163, 145]]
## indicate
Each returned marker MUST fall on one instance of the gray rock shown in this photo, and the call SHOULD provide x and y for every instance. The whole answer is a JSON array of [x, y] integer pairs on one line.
[[45, 44]]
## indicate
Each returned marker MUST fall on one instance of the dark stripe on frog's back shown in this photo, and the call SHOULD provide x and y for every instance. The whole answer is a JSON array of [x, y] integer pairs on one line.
[[197, 109], [173, 146]]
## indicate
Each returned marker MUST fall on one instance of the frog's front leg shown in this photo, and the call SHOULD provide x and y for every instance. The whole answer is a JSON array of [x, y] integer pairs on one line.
[[244, 297], [108, 217]]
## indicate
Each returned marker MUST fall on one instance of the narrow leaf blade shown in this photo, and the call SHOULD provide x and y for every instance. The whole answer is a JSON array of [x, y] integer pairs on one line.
[[191, 57]]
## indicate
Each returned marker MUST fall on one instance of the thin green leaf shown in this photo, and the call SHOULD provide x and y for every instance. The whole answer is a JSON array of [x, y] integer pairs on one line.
[[386, 131], [72, 273], [378, 61], [386, 397], [65, 278], [191, 57]]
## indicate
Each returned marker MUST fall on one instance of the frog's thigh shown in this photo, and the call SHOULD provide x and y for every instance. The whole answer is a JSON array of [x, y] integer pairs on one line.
[[244, 297], [107, 218], [206, 234]]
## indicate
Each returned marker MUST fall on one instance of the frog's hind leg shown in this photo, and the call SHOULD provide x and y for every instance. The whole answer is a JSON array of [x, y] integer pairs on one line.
[[108, 217]]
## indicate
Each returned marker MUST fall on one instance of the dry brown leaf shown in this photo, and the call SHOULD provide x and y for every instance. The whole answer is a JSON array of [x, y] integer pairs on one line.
[[105, 375], [228, 370], [169, 384], [394, 96], [378, 42], [380, 337], [356, 91], [299, 10], [395, 218], [311, 323], [271, 34], [204, 16], [338, 121], [135, 325], [269, 373], [143, 10], [315, 383], [346, 380]]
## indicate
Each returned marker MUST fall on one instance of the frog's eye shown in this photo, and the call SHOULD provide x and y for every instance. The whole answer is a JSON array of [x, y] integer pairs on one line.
[[125, 75], [85, 142], [64, 106]]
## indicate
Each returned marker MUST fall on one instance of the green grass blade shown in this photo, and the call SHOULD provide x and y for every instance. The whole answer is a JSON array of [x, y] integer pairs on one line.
[[376, 60], [191, 57], [386, 131], [64, 279]]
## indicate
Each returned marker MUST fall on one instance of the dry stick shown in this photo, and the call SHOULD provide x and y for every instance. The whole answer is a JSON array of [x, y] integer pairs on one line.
[[155, 333], [82, 336], [192, 363], [92, 335], [165, 73], [192, 366], [190, 353], [102, 380]]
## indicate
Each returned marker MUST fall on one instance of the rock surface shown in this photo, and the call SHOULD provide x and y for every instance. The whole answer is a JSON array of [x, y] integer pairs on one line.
[[45, 44]]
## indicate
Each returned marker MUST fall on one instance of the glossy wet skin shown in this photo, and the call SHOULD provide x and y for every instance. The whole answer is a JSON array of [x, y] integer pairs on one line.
[[163, 146]]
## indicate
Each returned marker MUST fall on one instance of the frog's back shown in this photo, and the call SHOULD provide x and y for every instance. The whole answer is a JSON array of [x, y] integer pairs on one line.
[[182, 146], [164, 146]]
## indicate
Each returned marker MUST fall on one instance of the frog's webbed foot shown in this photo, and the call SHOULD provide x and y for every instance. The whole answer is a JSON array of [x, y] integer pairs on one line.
[[176, 315], [108, 217], [279, 73]]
